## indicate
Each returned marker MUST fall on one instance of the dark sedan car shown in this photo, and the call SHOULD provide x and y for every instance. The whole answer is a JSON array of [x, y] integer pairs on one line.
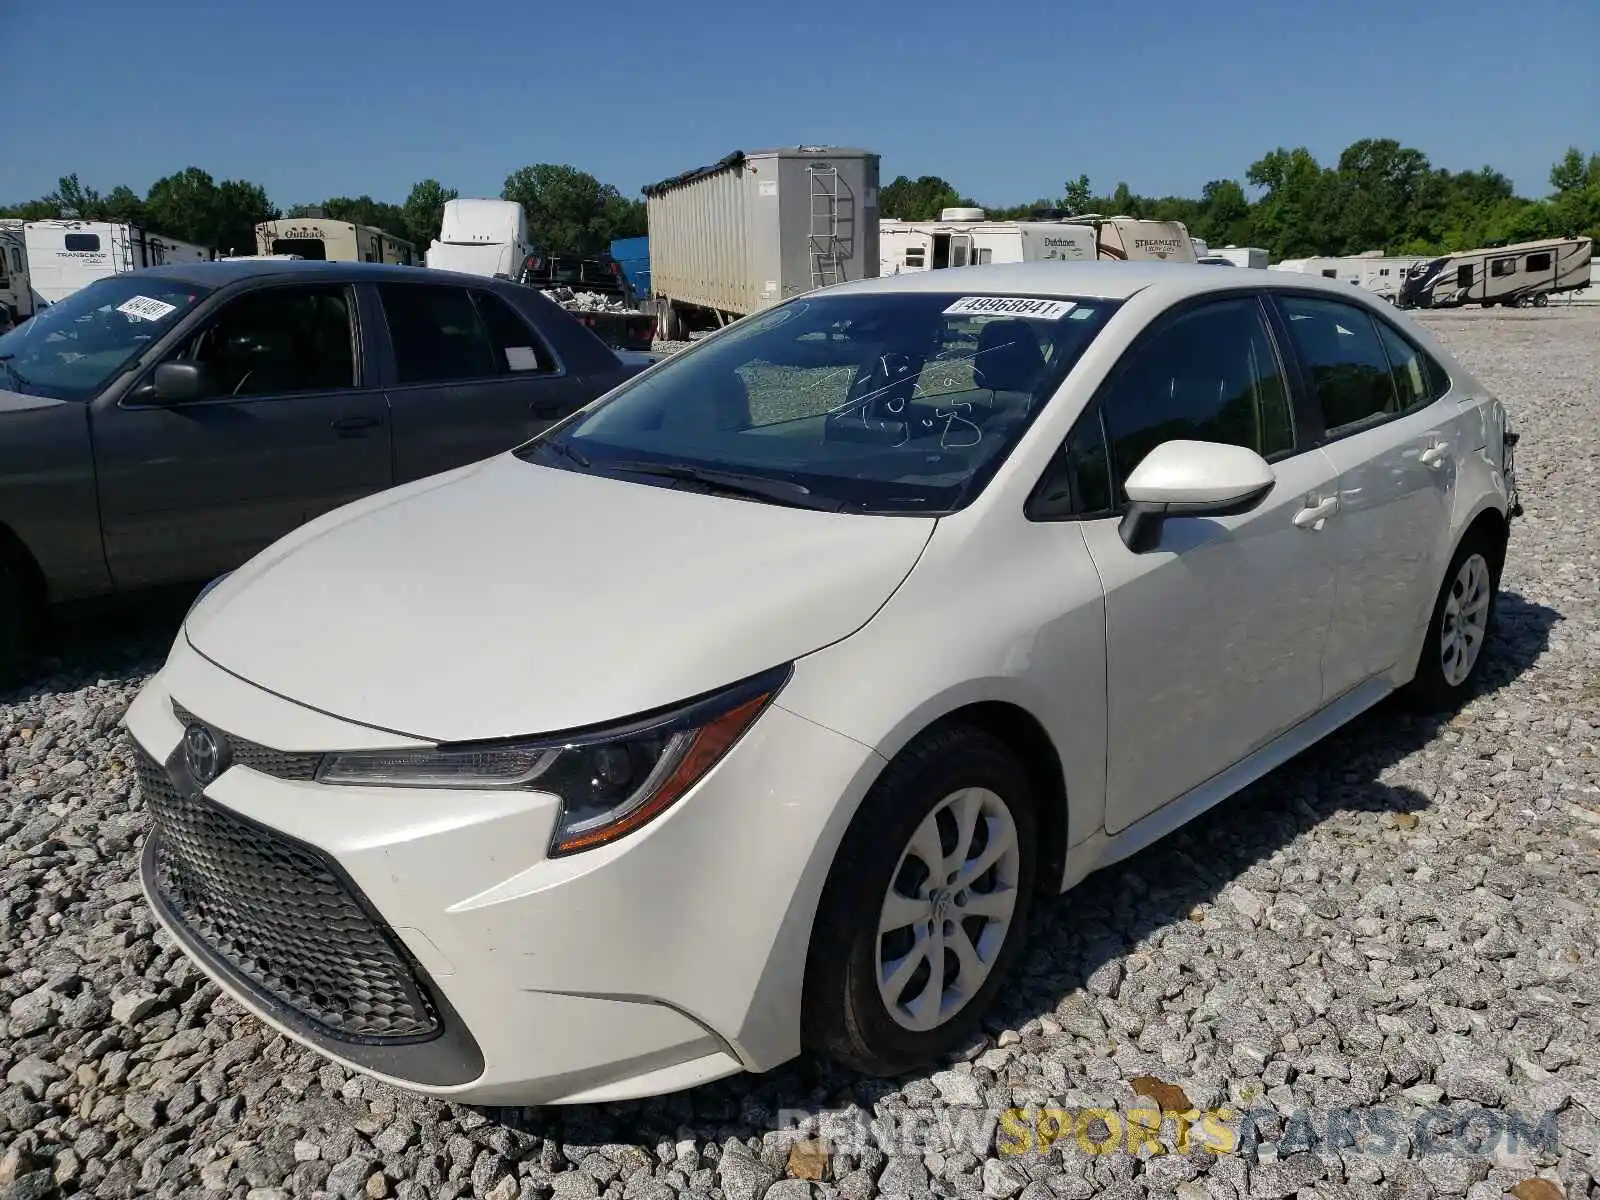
[[165, 425]]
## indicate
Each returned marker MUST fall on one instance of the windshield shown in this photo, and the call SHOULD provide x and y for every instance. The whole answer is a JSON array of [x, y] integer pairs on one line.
[[70, 350], [882, 402]]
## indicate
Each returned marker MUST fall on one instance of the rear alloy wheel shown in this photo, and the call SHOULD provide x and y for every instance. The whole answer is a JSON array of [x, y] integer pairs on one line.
[[925, 907], [1463, 618]]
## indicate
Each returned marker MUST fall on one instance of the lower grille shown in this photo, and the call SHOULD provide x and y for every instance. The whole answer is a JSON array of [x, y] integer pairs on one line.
[[281, 917]]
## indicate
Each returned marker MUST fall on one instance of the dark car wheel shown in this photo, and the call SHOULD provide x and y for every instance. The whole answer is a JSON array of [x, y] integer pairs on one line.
[[925, 907]]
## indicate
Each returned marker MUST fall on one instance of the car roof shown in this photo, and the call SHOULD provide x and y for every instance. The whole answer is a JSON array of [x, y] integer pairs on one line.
[[231, 270], [1098, 279]]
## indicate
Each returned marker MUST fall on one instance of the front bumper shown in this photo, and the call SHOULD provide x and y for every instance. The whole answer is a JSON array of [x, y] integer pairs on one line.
[[672, 957]]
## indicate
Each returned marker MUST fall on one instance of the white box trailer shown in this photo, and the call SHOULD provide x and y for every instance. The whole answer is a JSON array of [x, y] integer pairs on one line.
[[1253, 257], [481, 237], [759, 227], [66, 255]]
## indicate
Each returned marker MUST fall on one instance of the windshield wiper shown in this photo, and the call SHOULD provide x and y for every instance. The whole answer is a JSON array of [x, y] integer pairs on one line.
[[566, 451], [733, 483]]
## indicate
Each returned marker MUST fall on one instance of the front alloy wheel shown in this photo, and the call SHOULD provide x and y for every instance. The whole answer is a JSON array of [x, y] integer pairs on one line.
[[948, 909], [925, 906]]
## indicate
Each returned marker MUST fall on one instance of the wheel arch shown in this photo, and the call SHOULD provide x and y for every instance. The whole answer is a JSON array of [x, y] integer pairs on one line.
[[14, 553], [1492, 525]]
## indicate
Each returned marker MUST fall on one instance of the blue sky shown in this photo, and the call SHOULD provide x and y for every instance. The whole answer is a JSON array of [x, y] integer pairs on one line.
[[1005, 99]]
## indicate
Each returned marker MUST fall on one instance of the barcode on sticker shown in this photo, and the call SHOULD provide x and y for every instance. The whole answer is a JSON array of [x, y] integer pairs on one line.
[[146, 308], [1031, 308]]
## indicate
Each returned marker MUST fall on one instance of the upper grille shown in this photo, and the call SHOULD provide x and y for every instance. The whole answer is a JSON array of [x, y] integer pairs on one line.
[[281, 917], [283, 764]]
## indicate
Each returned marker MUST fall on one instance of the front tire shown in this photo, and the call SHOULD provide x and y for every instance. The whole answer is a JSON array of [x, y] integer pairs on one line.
[[925, 907], [1459, 630]]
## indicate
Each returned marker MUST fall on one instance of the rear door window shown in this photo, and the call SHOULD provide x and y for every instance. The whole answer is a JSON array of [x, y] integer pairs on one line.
[[1343, 360], [518, 350], [437, 334]]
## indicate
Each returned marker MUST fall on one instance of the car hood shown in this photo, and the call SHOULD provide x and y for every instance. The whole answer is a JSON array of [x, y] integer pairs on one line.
[[506, 599], [22, 402]]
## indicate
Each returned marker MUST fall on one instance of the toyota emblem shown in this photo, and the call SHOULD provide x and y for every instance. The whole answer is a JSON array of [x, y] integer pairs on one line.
[[201, 754]]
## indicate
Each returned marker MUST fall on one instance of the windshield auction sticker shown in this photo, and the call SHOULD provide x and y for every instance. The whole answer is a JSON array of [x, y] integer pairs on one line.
[[147, 308], [1031, 308]]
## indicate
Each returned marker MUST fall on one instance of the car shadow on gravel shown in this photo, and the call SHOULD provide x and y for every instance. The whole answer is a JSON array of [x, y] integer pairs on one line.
[[1104, 919], [119, 639]]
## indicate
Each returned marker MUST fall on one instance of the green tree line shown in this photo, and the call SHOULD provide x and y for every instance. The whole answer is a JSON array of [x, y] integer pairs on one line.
[[1379, 196], [569, 211]]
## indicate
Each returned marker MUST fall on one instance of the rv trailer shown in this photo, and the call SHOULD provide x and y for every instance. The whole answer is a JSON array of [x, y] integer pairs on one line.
[[65, 255], [322, 240], [759, 227], [1527, 273], [16, 292], [1381, 274], [961, 238]]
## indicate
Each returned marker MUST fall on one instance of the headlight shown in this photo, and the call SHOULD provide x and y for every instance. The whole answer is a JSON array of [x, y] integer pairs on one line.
[[610, 781]]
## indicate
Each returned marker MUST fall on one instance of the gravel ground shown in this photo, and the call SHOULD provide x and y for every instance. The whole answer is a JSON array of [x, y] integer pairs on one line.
[[1402, 921]]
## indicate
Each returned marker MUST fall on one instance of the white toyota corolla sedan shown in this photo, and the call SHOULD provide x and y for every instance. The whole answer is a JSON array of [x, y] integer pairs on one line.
[[749, 709]]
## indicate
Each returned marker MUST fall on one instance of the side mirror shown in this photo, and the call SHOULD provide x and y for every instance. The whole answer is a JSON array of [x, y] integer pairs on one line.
[[1191, 479], [175, 382]]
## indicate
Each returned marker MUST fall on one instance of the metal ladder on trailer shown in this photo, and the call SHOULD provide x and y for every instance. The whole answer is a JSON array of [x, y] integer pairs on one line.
[[831, 208]]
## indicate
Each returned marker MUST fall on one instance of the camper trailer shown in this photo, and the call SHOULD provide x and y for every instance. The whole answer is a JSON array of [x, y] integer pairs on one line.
[[1527, 273], [1381, 274], [322, 240], [962, 237], [16, 294], [959, 239], [481, 237], [63, 256]]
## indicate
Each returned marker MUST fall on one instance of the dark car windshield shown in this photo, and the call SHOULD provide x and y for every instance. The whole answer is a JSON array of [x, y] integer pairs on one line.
[[885, 402], [71, 350]]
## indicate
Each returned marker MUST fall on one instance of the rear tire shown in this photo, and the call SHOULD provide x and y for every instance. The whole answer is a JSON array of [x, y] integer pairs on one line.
[[905, 899], [1459, 630], [1542, 300]]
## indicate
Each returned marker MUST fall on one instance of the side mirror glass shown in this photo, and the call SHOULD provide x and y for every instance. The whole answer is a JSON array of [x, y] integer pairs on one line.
[[1191, 479], [175, 382]]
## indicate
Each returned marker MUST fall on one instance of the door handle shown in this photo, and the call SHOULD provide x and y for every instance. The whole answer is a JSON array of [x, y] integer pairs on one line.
[[547, 408], [1316, 513], [1435, 456], [348, 425]]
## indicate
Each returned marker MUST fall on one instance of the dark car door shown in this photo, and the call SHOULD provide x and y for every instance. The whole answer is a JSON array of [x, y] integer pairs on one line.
[[290, 425], [472, 376]]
